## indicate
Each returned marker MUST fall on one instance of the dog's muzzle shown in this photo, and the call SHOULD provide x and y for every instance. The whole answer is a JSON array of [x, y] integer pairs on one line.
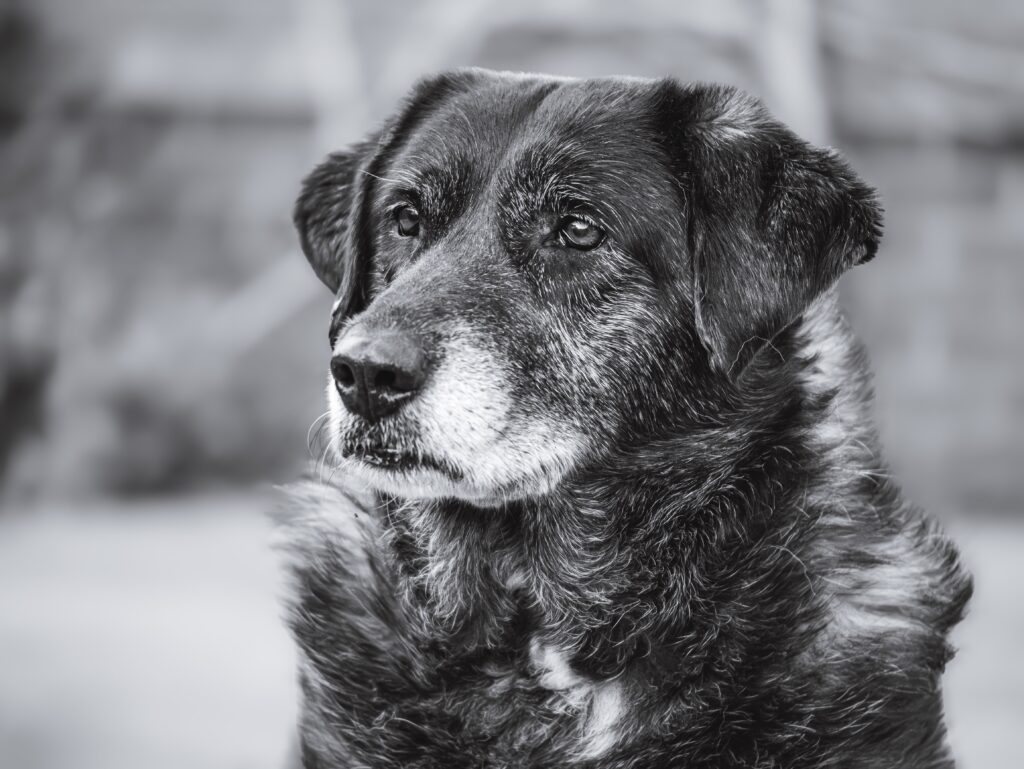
[[377, 372]]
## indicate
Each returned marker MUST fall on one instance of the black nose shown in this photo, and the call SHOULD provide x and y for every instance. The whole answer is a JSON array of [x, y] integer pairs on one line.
[[376, 372]]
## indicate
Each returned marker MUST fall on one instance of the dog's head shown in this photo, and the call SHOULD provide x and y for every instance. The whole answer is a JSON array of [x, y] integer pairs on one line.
[[529, 269]]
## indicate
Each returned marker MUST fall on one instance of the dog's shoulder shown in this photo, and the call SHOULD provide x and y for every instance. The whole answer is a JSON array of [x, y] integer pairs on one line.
[[319, 525], [357, 650], [884, 565]]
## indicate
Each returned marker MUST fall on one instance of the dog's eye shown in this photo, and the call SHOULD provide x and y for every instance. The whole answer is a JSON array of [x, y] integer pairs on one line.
[[407, 221], [575, 232]]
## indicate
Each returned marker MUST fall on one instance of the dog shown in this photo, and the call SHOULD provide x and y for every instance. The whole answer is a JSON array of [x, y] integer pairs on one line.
[[604, 490]]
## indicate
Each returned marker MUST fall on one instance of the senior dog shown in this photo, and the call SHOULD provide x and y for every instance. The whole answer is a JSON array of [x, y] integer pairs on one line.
[[606, 490]]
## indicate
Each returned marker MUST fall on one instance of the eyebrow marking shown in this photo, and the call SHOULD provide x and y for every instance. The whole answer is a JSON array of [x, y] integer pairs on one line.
[[439, 190], [560, 179], [379, 178]]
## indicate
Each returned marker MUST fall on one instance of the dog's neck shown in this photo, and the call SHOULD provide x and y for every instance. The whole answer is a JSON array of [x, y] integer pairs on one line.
[[717, 540]]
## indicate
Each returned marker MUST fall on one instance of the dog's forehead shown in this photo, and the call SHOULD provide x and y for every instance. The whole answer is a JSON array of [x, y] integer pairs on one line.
[[495, 121]]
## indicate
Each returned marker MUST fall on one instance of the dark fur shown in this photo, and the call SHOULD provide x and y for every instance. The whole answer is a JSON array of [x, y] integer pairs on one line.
[[730, 550]]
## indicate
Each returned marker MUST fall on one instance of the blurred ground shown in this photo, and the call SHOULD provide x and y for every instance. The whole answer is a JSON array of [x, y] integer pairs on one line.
[[154, 640], [143, 634], [985, 684]]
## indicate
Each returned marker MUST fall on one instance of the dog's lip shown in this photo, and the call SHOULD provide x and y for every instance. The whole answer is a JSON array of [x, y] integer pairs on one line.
[[396, 460]]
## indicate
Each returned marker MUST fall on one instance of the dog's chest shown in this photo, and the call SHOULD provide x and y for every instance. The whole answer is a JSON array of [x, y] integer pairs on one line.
[[537, 708]]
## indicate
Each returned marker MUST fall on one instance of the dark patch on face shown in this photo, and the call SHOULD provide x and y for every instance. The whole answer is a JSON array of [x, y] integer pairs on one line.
[[438, 193]]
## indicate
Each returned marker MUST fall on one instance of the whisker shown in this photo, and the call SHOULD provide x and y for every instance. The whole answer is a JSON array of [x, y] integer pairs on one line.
[[322, 460], [316, 425]]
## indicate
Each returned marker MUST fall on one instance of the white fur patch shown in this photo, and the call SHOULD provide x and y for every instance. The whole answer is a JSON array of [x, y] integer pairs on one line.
[[600, 705], [552, 667], [600, 732], [844, 430], [864, 600], [827, 343], [465, 418], [869, 601]]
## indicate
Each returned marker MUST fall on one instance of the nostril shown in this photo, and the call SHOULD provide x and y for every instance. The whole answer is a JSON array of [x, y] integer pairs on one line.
[[345, 375], [342, 372], [385, 379], [395, 380]]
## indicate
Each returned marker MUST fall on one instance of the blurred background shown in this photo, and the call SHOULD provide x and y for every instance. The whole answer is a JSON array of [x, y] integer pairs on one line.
[[163, 344]]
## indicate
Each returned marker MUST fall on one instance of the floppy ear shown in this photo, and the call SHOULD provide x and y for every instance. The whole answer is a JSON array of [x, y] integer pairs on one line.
[[773, 221], [323, 216], [334, 227]]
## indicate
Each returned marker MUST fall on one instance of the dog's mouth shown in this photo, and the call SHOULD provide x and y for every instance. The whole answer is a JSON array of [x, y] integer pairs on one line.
[[388, 458]]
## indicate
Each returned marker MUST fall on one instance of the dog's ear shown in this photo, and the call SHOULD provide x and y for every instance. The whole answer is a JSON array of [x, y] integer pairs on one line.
[[330, 214], [773, 221], [322, 216]]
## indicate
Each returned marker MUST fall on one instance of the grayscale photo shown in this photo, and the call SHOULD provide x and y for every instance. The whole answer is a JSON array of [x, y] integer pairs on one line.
[[475, 385]]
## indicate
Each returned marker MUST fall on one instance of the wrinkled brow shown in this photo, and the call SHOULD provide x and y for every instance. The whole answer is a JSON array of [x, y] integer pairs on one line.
[[567, 179], [439, 189]]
